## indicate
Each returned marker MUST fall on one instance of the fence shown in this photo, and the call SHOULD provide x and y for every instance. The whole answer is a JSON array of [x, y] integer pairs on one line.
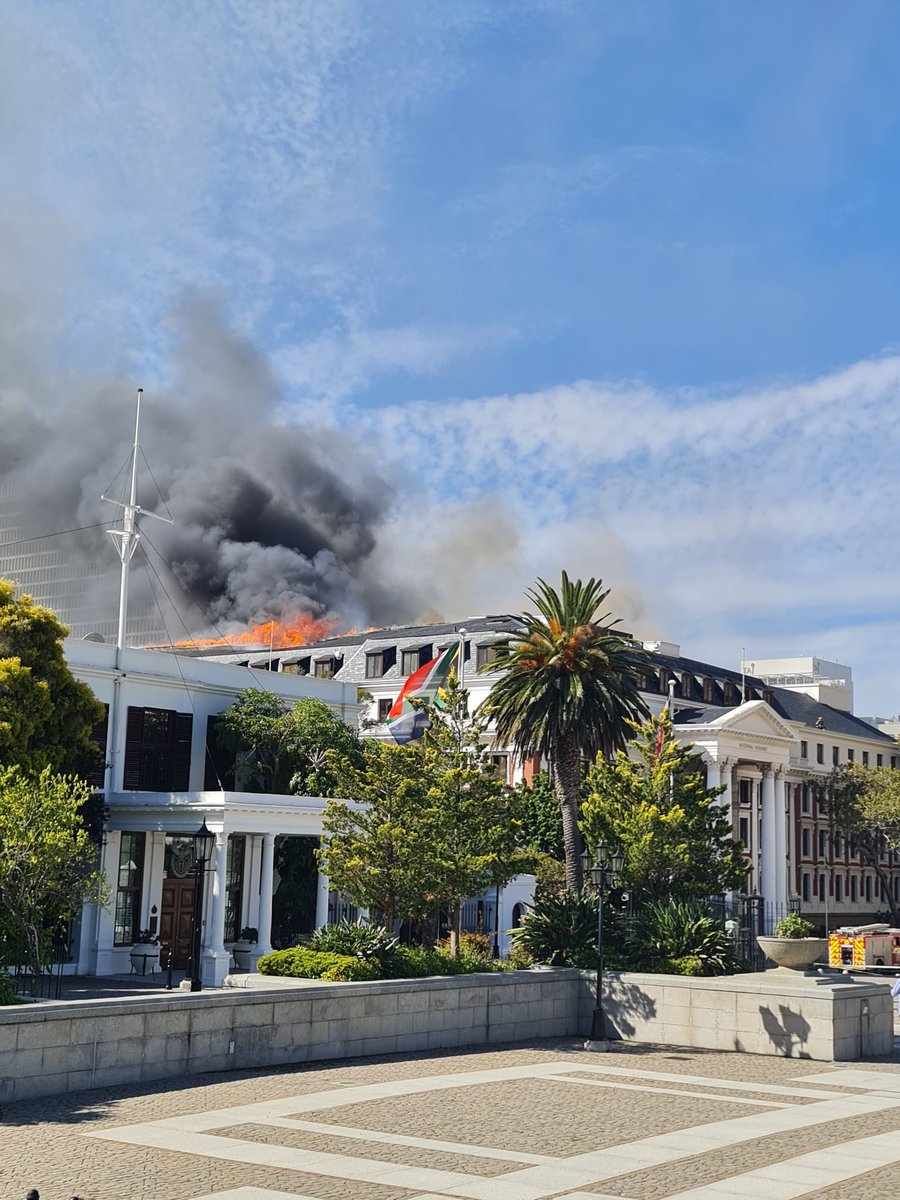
[[46, 983]]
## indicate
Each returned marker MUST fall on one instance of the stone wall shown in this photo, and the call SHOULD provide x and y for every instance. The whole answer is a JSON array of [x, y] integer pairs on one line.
[[829, 1018], [48, 1049]]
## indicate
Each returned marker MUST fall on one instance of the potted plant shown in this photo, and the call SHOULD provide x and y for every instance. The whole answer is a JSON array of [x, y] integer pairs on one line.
[[790, 945], [243, 949], [144, 952]]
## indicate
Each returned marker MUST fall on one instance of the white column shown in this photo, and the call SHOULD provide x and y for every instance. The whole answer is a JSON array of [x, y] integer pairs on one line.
[[726, 774], [215, 958], [266, 884], [713, 773], [783, 886], [322, 889], [770, 819]]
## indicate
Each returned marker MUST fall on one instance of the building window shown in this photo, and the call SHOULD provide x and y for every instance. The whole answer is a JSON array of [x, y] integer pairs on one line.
[[299, 667], [234, 886], [805, 804], [96, 774], [820, 752], [709, 691], [804, 750], [128, 888], [323, 668], [838, 888], [730, 693], [384, 709], [868, 889], [822, 888], [744, 830], [823, 843], [500, 764], [838, 846], [853, 889], [805, 842], [745, 791], [851, 754], [414, 659], [879, 760], [835, 755], [379, 662], [804, 885], [157, 750], [865, 758], [485, 655], [894, 761]]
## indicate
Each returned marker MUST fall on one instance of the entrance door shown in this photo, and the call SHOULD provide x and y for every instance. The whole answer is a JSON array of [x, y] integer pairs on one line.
[[175, 919]]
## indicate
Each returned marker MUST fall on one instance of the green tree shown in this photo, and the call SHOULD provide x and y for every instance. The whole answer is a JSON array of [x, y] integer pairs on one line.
[[864, 806], [375, 850], [46, 715], [472, 822], [676, 837], [286, 748], [568, 690], [541, 816], [47, 859]]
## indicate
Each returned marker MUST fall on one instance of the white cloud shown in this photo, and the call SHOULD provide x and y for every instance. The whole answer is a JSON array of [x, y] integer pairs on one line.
[[721, 519]]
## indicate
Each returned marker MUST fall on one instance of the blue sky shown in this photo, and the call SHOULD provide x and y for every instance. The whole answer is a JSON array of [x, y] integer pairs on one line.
[[604, 286]]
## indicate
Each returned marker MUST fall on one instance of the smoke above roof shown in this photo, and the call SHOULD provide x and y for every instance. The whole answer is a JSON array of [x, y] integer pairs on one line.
[[271, 520]]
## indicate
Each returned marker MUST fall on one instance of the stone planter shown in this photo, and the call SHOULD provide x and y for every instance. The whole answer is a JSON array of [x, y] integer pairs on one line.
[[245, 955], [793, 954], [144, 958]]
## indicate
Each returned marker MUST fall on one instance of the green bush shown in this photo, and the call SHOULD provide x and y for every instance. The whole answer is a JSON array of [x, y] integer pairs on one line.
[[7, 991], [677, 937], [793, 926], [371, 942], [354, 970], [303, 963], [517, 959], [560, 929]]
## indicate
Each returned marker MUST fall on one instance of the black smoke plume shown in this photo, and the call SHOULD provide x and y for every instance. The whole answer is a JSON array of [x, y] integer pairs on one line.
[[271, 519]]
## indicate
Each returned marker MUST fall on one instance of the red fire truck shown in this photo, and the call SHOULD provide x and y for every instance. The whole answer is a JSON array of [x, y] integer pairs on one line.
[[863, 947]]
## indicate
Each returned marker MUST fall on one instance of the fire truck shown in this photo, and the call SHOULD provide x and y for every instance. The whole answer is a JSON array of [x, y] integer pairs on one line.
[[863, 947]]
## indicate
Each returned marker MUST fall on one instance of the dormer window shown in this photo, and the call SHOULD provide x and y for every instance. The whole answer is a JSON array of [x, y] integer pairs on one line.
[[379, 662], [485, 655], [324, 668], [411, 660]]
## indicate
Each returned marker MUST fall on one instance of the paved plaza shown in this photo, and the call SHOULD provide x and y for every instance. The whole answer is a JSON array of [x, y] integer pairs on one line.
[[523, 1123]]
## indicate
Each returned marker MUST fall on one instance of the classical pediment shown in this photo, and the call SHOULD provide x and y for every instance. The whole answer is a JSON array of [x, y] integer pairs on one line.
[[754, 719]]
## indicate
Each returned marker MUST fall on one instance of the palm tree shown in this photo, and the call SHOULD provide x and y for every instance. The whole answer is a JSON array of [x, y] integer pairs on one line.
[[568, 690]]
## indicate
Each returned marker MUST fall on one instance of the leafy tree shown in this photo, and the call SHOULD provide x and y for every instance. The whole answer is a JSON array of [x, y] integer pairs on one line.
[[568, 690], [46, 715], [472, 822], [677, 839], [286, 748], [864, 806], [541, 817], [294, 901], [46, 856], [375, 850]]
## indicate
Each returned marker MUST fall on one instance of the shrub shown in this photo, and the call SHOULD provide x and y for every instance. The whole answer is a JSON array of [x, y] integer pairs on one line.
[[7, 991], [792, 926], [354, 970], [560, 929], [680, 938], [370, 942], [303, 963], [517, 959]]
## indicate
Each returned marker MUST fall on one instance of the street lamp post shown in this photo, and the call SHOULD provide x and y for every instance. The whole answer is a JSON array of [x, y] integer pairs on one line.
[[603, 871], [203, 844]]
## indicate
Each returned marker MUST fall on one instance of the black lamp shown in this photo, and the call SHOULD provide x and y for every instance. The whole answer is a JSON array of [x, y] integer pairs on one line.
[[203, 845]]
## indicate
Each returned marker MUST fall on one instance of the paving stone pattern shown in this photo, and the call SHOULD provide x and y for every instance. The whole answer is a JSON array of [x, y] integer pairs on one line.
[[52, 1144]]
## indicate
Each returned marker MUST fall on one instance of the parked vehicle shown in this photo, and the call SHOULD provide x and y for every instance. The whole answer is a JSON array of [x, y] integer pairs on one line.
[[864, 947]]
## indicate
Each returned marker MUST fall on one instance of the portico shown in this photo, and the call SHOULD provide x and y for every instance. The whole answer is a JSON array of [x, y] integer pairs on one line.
[[149, 870], [747, 751]]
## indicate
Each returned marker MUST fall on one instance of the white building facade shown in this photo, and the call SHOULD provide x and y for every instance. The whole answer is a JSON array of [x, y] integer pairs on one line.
[[161, 784]]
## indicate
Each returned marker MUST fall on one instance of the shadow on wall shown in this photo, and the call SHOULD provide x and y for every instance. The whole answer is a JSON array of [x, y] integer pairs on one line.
[[788, 1034], [623, 1000]]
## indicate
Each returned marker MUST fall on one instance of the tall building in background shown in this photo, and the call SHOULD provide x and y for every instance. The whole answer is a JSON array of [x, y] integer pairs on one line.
[[83, 592]]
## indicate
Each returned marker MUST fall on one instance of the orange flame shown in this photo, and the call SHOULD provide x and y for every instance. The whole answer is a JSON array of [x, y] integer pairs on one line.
[[282, 635]]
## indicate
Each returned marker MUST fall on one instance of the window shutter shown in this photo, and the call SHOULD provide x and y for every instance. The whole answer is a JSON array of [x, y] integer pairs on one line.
[[134, 743], [99, 734], [182, 727]]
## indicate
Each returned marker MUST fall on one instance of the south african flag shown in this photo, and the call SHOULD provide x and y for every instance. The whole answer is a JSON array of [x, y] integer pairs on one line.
[[406, 722]]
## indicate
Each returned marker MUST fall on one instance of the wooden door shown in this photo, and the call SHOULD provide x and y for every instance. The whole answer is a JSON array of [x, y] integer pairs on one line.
[[175, 919]]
